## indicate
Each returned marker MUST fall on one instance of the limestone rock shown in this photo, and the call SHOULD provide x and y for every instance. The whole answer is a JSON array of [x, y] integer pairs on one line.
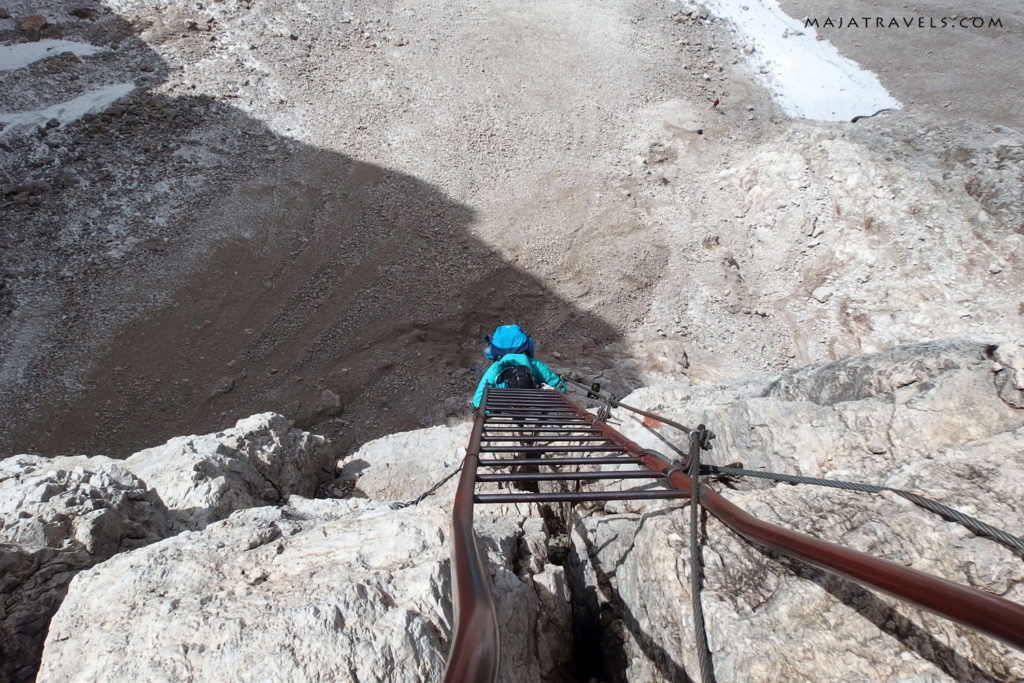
[[57, 517], [927, 418], [315, 590], [400, 467], [858, 377], [62, 515], [260, 461], [1010, 379], [356, 590], [823, 293], [329, 403]]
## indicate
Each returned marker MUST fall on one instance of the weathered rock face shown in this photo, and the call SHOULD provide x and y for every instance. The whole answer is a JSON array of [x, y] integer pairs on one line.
[[329, 589], [401, 467], [260, 461], [1010, 379], [531, 596], [66, 514], [314, 590], [57, 517], [358, 590], [531, 592], [931, 418]]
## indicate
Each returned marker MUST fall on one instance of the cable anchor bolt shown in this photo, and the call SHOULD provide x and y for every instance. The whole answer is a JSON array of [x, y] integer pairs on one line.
[[704, 436]]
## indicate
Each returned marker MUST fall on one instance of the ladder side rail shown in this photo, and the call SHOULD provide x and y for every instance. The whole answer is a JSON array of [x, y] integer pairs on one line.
[[474, 652]]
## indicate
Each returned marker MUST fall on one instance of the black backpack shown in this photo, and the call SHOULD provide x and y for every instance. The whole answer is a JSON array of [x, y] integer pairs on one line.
[[516, 377]]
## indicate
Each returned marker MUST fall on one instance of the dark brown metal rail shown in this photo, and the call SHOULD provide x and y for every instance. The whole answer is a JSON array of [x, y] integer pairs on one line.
[[571, 429], [474, 653]]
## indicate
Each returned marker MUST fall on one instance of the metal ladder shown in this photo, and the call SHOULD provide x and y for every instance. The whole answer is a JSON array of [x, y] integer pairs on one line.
[[534, 428], [526, 429]]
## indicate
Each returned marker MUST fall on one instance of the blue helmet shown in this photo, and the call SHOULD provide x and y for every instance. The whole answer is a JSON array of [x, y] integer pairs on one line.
[[508, 339]]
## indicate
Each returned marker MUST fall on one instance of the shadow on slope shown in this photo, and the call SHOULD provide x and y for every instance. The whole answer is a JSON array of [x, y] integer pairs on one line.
[[202, 268]]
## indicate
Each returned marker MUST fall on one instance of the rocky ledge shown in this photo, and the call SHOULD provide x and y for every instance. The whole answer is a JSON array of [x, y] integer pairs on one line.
[[213, 557]]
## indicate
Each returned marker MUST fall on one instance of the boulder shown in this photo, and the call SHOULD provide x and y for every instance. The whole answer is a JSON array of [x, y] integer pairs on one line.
[[57, 517], [347, 590], [260, 461], [401, 467]]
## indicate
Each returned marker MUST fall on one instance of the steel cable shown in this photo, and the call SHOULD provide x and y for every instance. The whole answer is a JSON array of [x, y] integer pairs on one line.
[[707, 673], [431, 490], [975, 525], [613, 401]]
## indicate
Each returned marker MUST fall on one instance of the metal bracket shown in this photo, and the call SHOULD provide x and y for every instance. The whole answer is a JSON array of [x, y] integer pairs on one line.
[[706, 436], [676, 467]]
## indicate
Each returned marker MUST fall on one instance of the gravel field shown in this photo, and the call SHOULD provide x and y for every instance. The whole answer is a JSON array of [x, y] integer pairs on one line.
[[213, 209]]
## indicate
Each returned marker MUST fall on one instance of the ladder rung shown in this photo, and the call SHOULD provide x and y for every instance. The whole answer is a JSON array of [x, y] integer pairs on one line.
[[501, 391], [569, 476], [553, 431], [541, 415], [518, 425], [536, 437], [495, 426], [557, 449], [596, 496], [521, 400], [596, 460], [525, 426], [530, 412], [491, 407], [529, 404], [524, 403]]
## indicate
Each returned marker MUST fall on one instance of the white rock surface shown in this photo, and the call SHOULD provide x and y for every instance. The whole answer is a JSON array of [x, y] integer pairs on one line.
[[260, 461], [357, 590], [403, 466], [59, 516], [66, 514], [944, 431], [315, 590]]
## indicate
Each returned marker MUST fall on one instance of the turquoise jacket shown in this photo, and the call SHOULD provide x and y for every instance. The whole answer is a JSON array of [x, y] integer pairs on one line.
[[542, 374]]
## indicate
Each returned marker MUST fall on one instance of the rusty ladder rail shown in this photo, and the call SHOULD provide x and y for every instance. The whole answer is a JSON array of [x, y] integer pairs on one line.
[[543, 421]]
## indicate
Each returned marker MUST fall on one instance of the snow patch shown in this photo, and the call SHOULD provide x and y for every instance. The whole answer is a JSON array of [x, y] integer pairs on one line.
[[67, 112], [21, 55], [807, 77]]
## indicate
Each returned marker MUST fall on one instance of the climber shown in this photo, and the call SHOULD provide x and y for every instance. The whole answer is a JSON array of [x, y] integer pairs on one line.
[[514, 366], [508, 339]]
